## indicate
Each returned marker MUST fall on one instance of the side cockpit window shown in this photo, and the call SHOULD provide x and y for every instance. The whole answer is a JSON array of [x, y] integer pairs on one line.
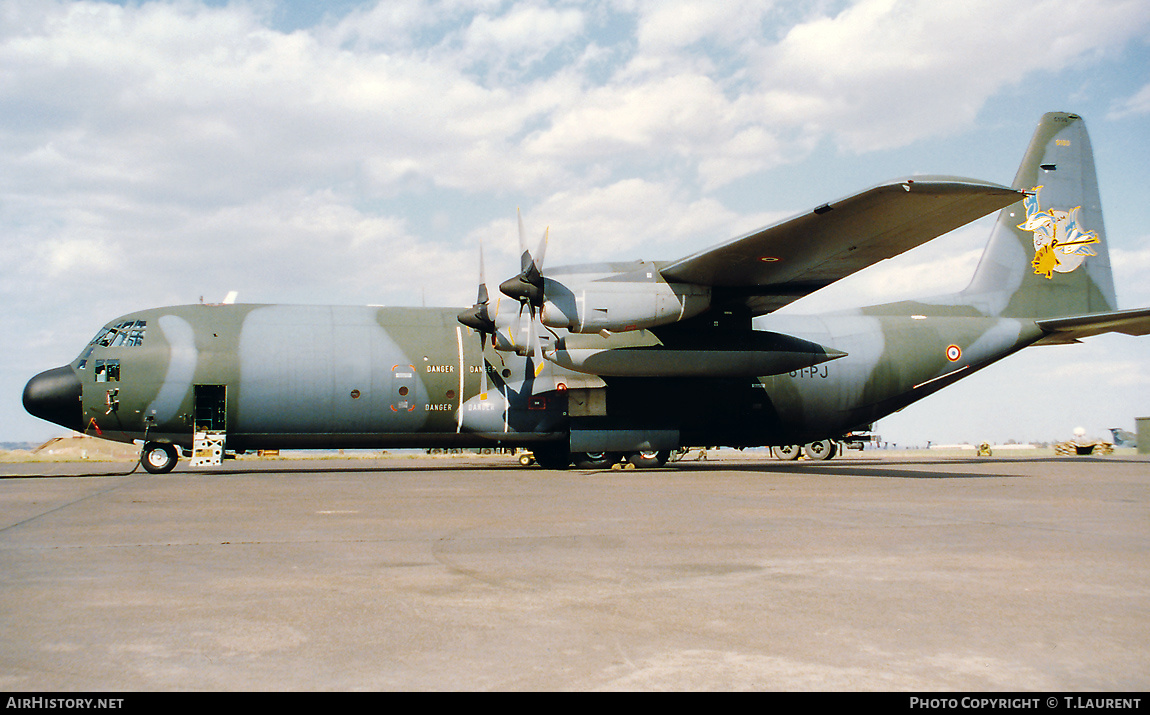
[[107, 371]]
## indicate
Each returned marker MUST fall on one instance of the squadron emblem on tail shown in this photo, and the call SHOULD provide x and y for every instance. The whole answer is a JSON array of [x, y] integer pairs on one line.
[[1060, 244]]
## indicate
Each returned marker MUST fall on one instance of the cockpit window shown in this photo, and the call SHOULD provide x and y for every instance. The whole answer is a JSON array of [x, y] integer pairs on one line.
[[127, 334], [131, 334], [104, 337]]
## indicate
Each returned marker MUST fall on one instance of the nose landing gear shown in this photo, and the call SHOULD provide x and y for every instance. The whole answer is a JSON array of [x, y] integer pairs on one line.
[[159, 457]]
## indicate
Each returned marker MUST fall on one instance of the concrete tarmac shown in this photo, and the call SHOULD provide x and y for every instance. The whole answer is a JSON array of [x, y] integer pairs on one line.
[[863, 573]]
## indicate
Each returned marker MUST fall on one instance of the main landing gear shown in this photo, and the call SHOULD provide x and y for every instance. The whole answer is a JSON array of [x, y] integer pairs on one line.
[[645, 459], [817, 451], [558, 458]]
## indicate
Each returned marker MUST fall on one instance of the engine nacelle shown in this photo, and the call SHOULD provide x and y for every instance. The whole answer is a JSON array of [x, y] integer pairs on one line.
[[593, 306]]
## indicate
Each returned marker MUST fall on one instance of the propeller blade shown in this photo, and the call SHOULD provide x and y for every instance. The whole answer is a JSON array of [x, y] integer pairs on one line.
[[478, 317], [527, 285], [532, 341], [525, 260], [537, 352], [542, 251], [519, 330], [483, 298]]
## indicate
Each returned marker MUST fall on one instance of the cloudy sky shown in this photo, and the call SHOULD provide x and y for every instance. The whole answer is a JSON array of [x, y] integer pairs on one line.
[[357, 152]]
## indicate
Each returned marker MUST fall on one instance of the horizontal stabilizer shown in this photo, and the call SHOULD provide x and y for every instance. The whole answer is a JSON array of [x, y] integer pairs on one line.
[[1070, 330]]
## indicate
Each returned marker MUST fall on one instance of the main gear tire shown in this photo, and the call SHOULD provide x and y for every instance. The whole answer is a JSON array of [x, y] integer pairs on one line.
[[649, 459], [787, 452], [594, 460], [549, 456], [822, 450]]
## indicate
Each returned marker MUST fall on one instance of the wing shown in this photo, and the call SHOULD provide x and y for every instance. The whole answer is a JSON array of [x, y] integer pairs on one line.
[[783, 262], [1071, 330]]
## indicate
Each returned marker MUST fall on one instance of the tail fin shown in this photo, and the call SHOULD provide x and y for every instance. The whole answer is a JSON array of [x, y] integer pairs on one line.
[[1047, 255]]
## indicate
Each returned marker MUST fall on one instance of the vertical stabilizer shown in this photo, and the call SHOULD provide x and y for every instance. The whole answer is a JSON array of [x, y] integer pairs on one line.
[[1047, 255]]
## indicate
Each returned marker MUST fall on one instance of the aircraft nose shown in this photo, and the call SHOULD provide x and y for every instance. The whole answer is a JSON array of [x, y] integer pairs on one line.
[[54, 395]]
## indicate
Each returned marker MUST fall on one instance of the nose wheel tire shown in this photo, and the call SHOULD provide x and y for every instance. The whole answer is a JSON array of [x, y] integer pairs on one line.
[[158, 458]]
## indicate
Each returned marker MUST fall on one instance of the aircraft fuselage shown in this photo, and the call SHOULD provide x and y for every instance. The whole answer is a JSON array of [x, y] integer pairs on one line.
[[293, 376]]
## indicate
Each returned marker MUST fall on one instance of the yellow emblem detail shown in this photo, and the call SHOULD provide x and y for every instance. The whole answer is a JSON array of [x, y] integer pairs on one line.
[[1045, 261]]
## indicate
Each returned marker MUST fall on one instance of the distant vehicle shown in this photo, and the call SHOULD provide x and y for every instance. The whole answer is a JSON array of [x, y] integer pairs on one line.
[[597, 363], [1122, 438]]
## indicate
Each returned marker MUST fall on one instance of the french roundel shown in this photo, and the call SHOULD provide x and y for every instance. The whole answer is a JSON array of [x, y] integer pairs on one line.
[[953, 353]]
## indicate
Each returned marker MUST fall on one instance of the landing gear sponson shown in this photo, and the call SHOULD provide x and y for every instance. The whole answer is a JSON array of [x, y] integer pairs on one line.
[[557, 458]]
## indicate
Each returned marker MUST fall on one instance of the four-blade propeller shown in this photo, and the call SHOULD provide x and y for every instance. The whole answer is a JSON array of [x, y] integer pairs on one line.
[[527, 288], [478, 317]]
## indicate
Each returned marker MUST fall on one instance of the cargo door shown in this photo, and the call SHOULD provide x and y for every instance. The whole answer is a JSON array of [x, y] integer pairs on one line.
[[210, 425]]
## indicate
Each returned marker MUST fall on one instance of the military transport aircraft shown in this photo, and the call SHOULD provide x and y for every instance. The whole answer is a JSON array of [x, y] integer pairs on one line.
[[593, 364]]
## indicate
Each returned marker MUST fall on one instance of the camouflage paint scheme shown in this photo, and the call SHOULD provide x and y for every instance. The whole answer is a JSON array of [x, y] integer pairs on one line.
[[718, 367]]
